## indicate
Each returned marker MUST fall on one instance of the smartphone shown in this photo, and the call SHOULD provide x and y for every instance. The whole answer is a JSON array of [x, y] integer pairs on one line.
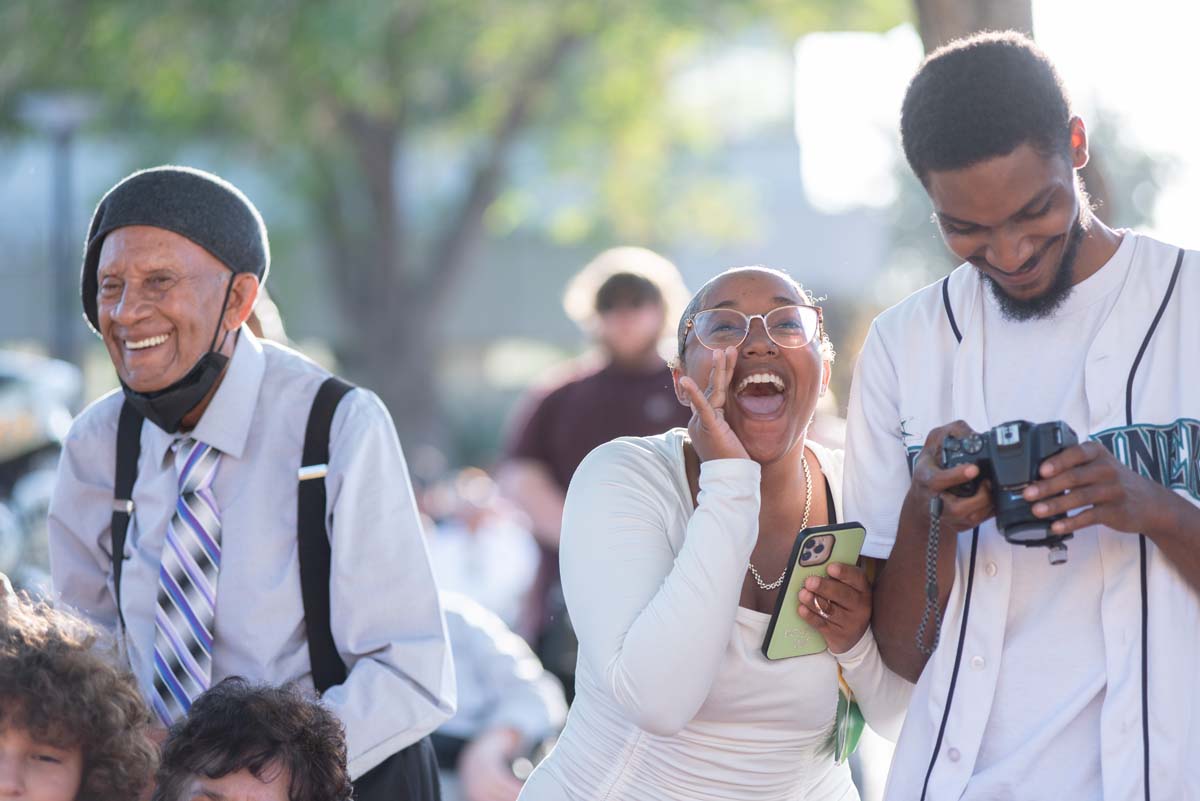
[[789, 634]]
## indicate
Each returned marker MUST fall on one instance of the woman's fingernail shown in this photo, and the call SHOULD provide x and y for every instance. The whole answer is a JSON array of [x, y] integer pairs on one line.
[[1040, 508]]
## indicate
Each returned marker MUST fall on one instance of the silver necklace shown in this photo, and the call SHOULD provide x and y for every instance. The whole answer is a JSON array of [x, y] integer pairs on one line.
[[762, 585]]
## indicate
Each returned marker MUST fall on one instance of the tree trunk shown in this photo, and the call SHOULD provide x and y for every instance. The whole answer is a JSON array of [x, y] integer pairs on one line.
[[942, 21], [399, 363], [392, 308]]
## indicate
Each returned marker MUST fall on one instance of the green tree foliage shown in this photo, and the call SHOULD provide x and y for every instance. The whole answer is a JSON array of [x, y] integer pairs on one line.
[[331, 98]]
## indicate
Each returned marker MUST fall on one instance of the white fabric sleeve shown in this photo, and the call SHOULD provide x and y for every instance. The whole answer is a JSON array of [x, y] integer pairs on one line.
[[500, 675], [882, 695], [877, 476], [79, 523], [384, 609], [653, 626]]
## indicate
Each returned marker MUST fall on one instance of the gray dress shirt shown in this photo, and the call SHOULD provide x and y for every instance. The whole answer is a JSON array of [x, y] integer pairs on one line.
[[386, 618]]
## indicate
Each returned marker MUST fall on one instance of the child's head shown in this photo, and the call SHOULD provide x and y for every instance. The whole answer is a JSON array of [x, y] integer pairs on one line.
[[242, 740], [72, 726]]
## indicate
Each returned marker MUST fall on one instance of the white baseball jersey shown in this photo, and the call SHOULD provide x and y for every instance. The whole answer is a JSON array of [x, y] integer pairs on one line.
[[1142, 388]]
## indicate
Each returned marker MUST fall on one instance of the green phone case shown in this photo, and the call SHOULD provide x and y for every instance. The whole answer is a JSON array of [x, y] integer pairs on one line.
[[788, 634]]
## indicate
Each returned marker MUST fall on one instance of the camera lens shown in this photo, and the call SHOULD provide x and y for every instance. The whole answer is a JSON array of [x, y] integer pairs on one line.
[[819, 547]]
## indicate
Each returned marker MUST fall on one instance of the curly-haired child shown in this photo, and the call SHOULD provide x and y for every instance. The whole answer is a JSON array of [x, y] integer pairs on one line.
[[73, 727]]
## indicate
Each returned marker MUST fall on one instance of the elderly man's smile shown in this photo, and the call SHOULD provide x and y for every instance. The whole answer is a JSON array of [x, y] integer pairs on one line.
[[148, 342]]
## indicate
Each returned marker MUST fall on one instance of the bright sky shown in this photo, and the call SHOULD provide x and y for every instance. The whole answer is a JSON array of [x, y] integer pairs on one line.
[[1139, 61]]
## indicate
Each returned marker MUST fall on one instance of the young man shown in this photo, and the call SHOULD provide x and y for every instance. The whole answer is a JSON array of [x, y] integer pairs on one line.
[[1053, 681], [211, 577], [264, 743]]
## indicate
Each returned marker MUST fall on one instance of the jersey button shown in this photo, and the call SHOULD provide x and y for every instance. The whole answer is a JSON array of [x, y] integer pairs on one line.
[[954, 755], [991, 569], [977, 662]]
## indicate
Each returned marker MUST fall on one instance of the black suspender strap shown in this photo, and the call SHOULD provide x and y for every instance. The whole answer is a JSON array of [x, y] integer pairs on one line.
[[328, 669], [1162, 307], [949, 309], [129, 448]]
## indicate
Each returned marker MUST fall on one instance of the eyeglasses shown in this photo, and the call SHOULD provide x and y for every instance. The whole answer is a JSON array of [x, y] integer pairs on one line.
[[787, 326]]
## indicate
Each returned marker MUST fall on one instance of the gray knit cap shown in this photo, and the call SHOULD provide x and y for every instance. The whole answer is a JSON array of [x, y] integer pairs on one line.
[[195, 204]]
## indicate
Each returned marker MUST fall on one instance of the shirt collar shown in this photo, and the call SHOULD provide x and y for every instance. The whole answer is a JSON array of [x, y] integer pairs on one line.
[[226, 422]]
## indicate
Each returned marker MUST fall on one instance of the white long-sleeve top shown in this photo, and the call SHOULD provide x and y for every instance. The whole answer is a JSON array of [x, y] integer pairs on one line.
[[674, 699]]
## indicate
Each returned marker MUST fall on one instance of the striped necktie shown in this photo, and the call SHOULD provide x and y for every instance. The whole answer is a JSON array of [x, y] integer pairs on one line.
[[187, 586]]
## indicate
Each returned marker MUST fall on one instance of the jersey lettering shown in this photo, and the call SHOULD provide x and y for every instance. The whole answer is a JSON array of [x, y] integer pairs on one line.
[[1168, 454]]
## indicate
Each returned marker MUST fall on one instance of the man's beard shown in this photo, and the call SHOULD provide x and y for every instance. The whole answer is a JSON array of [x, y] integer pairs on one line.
[[1042, 306]]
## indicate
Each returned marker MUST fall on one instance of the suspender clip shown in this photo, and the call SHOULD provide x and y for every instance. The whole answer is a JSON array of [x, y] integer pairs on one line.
[[312, 471]]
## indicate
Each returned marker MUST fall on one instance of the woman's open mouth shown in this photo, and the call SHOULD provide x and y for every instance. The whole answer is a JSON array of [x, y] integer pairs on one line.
[[760, 394]]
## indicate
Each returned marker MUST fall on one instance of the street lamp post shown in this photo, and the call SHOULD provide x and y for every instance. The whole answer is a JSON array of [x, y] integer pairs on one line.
[[58, 115]]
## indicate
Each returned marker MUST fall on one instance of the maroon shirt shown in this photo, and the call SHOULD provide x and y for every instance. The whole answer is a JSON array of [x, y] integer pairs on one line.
[[561, 426], [592, 408]]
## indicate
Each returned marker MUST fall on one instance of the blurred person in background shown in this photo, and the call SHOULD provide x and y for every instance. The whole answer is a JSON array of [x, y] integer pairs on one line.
[[623, 299], [38, 397], [479, 543], [674, 548], [210, 424], [242, 742], [510, 708], [73, 727]]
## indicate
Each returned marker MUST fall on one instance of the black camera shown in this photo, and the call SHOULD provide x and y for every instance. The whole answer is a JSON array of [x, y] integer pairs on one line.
[[1009, 456]]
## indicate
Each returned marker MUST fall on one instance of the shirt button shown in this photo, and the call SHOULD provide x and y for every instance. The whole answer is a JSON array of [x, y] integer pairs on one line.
[[953, 755], [977, 662], [991, 569]]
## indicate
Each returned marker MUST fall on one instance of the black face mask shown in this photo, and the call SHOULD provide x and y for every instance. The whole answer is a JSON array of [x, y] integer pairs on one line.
[[167, 407]]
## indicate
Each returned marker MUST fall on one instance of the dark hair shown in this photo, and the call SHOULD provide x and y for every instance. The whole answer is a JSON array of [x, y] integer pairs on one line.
[[238, 726], [696, 304], [981, 97], [58, 686], [625, 290]]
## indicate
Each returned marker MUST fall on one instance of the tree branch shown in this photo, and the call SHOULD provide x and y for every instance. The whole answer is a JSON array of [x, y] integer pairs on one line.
[[451, 255]]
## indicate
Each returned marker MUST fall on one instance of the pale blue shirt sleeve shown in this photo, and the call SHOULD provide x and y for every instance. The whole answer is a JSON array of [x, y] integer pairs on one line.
[[501, 683], [386, 618], [80, 518]]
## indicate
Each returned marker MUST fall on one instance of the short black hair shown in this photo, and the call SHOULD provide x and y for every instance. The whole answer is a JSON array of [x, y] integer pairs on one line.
[[981, 97], [239, 726], [626, 290]]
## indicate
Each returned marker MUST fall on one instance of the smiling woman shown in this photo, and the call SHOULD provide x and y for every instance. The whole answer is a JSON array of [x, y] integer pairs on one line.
[[670, 550]]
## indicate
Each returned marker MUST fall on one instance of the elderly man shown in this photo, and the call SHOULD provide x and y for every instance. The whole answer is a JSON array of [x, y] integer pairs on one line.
[[206, 476]]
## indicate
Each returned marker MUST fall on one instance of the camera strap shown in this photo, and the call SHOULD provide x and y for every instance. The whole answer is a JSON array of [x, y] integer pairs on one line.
[[933, 610]]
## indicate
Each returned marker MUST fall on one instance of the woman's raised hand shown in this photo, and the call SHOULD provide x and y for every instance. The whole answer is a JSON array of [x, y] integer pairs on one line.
[[711, 435]]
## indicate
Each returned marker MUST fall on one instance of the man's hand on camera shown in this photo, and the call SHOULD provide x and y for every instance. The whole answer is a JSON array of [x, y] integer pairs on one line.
[[1092, 477], [929, 479]]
